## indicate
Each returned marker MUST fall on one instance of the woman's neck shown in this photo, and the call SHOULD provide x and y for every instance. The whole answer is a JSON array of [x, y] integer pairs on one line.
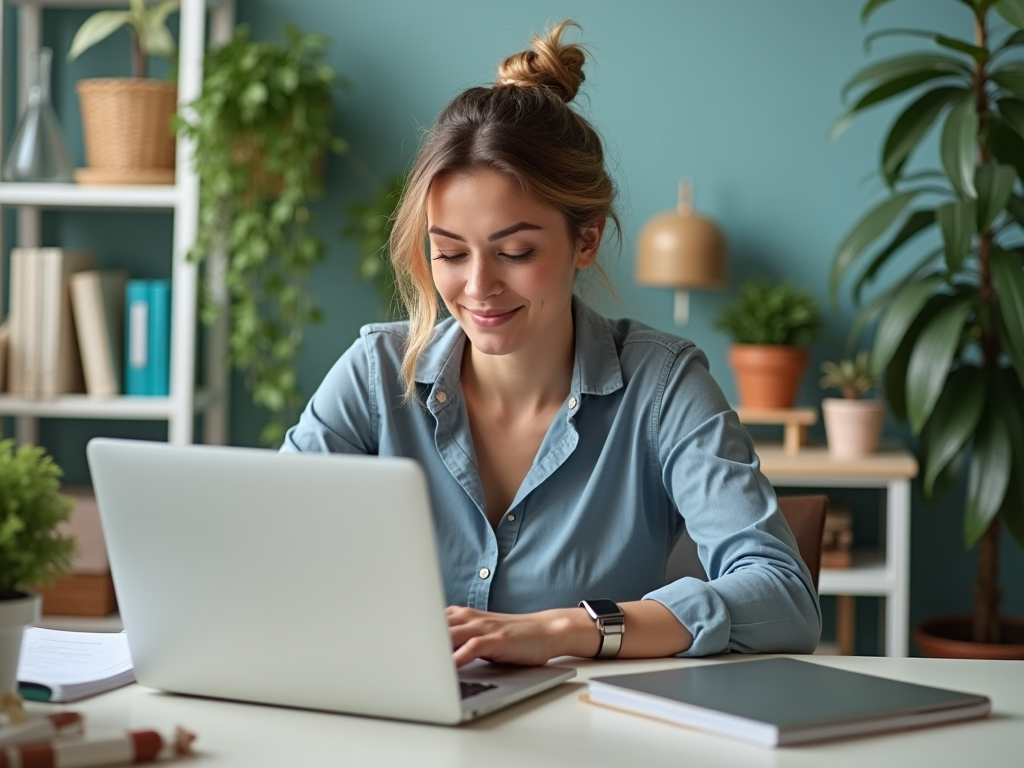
[[530, 380]]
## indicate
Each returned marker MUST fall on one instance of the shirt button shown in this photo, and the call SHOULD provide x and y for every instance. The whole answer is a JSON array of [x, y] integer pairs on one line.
[[511, 518], [573, 402], [442, 398], [485, 572]]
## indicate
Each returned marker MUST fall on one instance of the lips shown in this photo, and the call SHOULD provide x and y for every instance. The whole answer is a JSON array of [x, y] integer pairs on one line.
[[489, 318]]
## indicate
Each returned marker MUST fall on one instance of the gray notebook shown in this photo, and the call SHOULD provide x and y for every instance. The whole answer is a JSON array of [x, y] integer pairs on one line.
[[778, 702]]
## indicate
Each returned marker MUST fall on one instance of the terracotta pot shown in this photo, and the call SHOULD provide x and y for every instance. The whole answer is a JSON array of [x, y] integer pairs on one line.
[[949, 637], [16, 613], [852, 427], [767, 376]]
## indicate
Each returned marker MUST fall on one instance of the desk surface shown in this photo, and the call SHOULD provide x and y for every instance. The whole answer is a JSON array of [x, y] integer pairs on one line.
[[556, 729]]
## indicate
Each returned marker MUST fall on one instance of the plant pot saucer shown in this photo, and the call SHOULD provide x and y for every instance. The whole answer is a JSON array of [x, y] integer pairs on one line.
[[949, 637], [124, 175]]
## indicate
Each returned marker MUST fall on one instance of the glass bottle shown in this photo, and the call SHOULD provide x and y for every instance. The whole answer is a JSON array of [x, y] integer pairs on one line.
[[39, 151]]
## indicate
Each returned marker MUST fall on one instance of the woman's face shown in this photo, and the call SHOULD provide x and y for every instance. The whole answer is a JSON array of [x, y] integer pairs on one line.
[[502, 262]]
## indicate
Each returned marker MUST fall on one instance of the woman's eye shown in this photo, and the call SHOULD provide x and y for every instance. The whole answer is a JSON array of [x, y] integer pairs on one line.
[[518, 256], [439, 256]]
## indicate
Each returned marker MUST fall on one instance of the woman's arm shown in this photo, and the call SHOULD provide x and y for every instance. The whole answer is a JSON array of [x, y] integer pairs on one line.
[[534, 638]]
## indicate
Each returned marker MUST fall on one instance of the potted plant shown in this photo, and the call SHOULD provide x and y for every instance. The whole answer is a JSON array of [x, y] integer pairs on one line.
[[370, 223], [950, 328], [32, 549], [126, 121], [853, 426], [770, 326], [262, 128]]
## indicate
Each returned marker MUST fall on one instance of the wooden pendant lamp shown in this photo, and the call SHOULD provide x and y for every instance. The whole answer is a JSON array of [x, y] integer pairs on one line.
[[679, 249]]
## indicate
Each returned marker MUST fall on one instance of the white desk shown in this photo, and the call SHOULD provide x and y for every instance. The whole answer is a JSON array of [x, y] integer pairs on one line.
[[556, 729]]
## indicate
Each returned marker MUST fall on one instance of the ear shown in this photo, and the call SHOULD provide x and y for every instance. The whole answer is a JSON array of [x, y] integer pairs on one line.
[[589, 243]]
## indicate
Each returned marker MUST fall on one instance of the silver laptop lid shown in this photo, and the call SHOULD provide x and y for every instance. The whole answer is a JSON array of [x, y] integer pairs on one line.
[[303, 580]]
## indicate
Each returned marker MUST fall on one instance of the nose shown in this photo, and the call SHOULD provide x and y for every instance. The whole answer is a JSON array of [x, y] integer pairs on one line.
[[483, 280]]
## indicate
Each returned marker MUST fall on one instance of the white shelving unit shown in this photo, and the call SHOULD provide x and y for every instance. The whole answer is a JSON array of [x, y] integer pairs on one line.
[[181, 198], [877, 573]]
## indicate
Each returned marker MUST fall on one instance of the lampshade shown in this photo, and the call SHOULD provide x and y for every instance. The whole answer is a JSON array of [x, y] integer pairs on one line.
[[679, 249]]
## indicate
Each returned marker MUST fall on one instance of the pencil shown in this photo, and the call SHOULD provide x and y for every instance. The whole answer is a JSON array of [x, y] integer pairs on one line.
[[132, 747], [47, 728]]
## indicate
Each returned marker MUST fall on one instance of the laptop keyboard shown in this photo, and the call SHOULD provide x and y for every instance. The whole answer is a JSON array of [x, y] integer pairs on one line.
[[472, 689]]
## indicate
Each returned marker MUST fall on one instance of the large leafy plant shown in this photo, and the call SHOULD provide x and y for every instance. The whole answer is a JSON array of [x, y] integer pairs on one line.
[[262, 129], [766, 313], [32, 548], [147, 25], [950, 328]]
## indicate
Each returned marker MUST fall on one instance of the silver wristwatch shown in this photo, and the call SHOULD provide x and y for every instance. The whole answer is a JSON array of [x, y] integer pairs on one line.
[[611, 623]]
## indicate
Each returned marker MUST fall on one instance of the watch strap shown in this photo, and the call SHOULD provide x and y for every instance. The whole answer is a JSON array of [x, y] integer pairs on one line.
[[611, 626]]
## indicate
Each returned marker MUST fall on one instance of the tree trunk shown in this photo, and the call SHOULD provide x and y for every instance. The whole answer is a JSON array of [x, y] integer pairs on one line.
[[987, 593]]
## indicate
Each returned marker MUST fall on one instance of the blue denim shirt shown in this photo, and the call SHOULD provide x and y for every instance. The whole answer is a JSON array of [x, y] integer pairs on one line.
[[644, 446]]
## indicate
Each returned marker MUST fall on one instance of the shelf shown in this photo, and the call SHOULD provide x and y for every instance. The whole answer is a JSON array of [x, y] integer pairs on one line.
[[136, 196], [814, 465], [86, 407], [867, 576]]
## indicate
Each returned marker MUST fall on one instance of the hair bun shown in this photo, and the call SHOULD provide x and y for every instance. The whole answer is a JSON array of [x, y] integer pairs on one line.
[[551, 64]]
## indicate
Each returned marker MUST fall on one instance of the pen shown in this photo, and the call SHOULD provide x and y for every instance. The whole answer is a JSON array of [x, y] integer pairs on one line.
[[46, 728], [131, 747]]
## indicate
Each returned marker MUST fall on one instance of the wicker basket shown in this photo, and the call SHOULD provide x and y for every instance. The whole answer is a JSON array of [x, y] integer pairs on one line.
[[126, 122]]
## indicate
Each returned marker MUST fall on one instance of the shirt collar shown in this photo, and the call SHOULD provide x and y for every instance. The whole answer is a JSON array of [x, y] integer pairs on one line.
[[596, 369]]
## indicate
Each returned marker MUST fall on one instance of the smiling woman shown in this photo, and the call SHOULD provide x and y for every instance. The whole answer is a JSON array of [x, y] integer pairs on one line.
[[566, 452]]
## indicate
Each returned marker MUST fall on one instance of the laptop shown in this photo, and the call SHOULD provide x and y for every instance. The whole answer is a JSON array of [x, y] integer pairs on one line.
[[303, 580]]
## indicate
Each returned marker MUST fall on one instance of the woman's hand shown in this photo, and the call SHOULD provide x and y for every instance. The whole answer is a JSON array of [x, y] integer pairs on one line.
[[536, 638], [529, 638]]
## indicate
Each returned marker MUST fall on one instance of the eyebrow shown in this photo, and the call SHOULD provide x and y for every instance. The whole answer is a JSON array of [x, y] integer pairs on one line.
[[519, 227]]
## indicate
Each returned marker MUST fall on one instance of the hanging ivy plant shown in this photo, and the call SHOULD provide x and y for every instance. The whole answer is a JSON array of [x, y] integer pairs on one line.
[[369, 225], [262, 131]]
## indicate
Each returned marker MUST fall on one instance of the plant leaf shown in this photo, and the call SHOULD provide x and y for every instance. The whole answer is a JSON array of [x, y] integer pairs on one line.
[[988, 475], [896, 371], [976, 52], [994, 184], [1012, 11], [871, 226], [911, 126], [958, 151], [97, 27], [957, 221], [904, 308], [953, 420], [1017, 38], [1010, 395], [931, 358], [1005, 145], [1011, 77], [869, 7], [915, 224], [899, 67], [1008, 281], [1012, 111]]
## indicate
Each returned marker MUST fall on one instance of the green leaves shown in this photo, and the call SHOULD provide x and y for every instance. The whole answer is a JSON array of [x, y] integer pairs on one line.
[[1012, 11], [871, 226], [904, 308], [988, 475], [1008, 281], [957, 222], [148, 23], [993, 184], [911, 126], [953, 421], [97, 27], [764, 313], [958, 146], [931, 358]]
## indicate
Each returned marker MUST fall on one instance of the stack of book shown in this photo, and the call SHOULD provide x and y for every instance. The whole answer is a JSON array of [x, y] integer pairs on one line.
[[75, 329]]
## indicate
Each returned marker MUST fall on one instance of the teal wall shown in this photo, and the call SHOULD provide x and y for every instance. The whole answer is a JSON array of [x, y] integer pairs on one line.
[[739, 95]]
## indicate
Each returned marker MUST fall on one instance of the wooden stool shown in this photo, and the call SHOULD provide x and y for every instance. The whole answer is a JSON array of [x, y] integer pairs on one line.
[[794, 421]]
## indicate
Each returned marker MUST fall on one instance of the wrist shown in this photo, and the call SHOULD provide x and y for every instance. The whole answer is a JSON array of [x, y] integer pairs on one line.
[[573, 633]]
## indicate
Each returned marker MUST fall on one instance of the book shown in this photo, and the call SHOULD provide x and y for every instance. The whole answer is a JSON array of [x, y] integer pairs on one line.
[[159, 337], [60, 365], [24, 319], [66, 666], [97, 303], [137, 358], [781, 701], [89, 589], [5, 342]]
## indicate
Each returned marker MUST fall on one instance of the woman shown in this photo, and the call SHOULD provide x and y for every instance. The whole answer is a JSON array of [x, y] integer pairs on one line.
[[565, 452]]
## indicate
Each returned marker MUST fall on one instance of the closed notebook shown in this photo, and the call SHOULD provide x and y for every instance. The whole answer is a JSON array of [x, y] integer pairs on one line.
[[780, 702], [60, 365], [137, 357], [159, 337], [24, 317], [97, 301]]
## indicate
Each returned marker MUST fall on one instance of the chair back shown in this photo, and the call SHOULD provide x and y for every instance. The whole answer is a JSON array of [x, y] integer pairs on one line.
[[806, 518]]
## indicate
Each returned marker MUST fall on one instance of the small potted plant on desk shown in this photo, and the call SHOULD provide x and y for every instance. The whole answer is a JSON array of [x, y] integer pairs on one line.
[[853, 425], [770, 326], [32, 549]]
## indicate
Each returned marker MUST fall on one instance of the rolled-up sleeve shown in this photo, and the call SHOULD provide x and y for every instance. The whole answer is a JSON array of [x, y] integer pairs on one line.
[[759, 595], [341, 417]]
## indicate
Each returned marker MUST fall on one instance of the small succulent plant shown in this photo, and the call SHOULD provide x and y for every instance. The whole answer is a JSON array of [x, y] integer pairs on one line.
[[854, 378]]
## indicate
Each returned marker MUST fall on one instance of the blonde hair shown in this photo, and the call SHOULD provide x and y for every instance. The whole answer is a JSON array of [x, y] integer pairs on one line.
[[522, 127]]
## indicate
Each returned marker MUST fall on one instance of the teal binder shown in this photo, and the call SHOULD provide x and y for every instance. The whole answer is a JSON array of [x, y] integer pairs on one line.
[[159, 337], [136, 326]]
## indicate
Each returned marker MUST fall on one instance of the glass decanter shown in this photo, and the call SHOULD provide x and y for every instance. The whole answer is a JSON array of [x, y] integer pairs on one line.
[[39, 151]]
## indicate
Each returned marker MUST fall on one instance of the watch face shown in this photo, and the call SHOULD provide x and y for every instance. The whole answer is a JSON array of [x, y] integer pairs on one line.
[[602, 607]]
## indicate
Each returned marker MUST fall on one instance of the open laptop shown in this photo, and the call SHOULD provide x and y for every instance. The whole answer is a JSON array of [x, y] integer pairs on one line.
[[299, 580]]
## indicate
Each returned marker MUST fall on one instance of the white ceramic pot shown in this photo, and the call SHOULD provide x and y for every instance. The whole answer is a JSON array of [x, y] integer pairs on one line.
[[852, 427], [15, 614]]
